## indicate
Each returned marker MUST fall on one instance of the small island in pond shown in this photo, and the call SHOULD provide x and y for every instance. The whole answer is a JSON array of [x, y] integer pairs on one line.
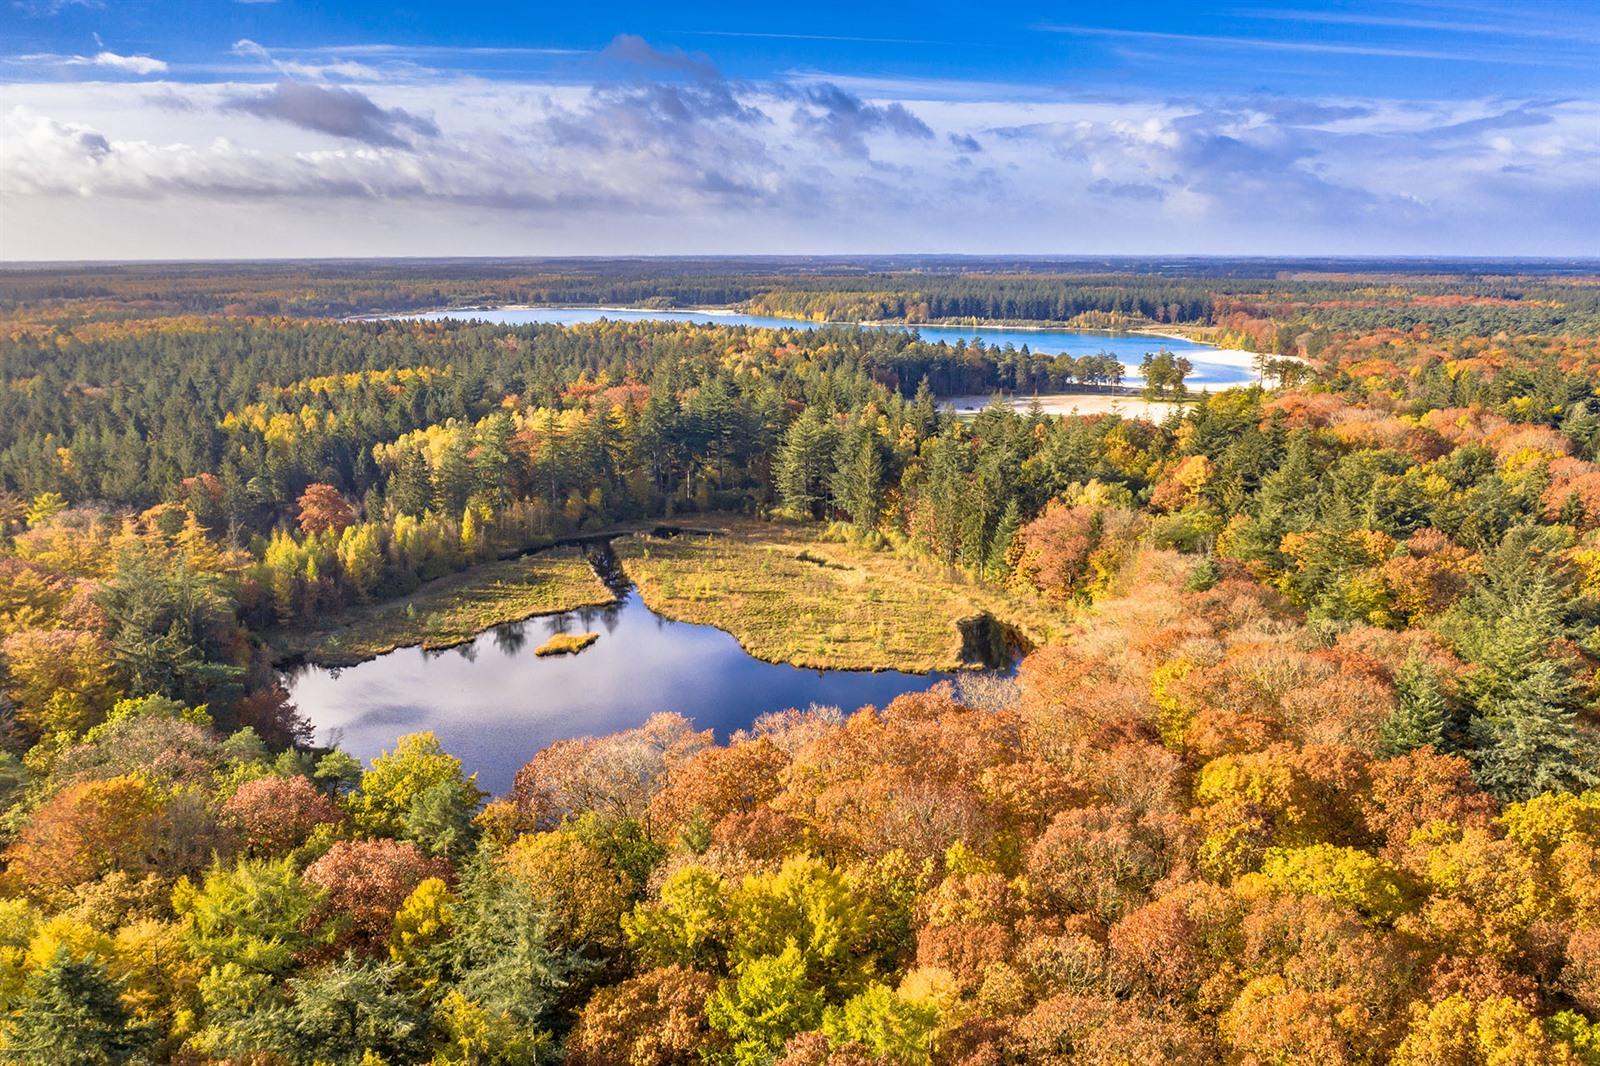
[[566, 644]]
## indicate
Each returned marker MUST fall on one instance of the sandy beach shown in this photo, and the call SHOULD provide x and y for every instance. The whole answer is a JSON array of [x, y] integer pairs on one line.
[[1074, 403]]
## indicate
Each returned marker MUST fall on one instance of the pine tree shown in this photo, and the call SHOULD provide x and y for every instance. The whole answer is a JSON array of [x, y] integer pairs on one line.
[[1005, 533], [857, 481], [492, 458], [805, 459], [411, 486], [71, 1012], [1524, 730], [924, 412], [1421, 715], [1287, 503]]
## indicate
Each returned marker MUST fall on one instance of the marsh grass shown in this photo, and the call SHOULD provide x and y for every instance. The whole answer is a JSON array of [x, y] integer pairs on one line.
[[837, 604], [566, 644], [451, 610]]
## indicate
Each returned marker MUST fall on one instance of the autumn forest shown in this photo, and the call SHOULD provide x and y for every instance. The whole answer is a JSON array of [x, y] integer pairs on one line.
[[1292, 756]]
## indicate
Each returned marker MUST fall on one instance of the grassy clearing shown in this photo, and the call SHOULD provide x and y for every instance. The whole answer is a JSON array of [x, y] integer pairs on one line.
[[566, 644], [451, 610], [788, 597]]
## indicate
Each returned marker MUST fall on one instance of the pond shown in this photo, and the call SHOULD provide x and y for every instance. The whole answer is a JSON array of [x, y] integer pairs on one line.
[[1212, 366], [494, 703]]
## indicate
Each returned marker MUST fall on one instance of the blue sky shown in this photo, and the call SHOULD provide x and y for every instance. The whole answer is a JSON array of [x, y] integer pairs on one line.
[[284, 128]]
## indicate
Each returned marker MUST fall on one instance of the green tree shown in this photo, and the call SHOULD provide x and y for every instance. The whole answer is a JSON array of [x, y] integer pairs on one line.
[[344, 1010], [805, 461], [394, 789], [1421, 715], [997, 564], [257, 914], [857, 481], [502, 956], [1524, 732], [888, 1025], [766, 1001], [170, 628], [70, 1012]]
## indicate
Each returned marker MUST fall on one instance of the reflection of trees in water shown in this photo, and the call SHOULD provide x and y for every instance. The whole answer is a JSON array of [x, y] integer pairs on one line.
[[510, 638], [606, 615], [468, 651], [558, 623]]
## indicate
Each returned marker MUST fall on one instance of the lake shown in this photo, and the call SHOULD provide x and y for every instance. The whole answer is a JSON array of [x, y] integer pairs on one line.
[[493, 703], [1212, 366]]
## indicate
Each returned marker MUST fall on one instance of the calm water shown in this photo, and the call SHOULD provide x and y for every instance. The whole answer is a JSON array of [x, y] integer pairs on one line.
[[493, 703], [1212, 366]]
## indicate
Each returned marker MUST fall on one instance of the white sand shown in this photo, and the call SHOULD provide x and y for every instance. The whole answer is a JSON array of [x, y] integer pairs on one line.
[[1073, 404]]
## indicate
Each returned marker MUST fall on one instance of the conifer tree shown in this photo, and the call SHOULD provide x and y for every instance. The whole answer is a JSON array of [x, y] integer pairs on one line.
[[71, 1012], [857, 481], [1525, 698], [1421, 715], [805, 460], [1005, 532]]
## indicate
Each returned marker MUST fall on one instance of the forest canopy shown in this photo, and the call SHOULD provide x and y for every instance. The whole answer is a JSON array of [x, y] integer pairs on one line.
[[1315, 777]]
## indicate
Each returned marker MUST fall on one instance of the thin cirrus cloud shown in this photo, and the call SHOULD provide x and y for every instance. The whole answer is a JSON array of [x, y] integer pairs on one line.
[[136, 64], [847, 39], [341, 68], [1515, 28], [1273, 44]]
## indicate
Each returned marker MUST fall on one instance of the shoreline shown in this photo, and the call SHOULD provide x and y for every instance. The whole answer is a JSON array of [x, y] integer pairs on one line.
[[995, 324]]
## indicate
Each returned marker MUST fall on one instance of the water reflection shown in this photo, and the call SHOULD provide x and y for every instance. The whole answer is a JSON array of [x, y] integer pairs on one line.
[[493, 703]]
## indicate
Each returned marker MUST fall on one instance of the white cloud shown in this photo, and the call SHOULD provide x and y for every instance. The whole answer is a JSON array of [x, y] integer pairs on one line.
[[347, 69], [701, 164], [128, 64], [141, 65]]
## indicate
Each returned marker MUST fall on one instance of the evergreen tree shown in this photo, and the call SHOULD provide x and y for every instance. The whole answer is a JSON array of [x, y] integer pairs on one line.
[[503, 960], [1421, 715], [71, 1012], [924, 411], [805, 460], [411, 485], [1005, 533], [857, 481], [1287, 503], [348, 1008], [1525, 698]]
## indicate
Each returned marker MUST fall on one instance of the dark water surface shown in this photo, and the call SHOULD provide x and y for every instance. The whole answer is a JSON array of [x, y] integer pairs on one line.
[[1212, 366], [493, 703]]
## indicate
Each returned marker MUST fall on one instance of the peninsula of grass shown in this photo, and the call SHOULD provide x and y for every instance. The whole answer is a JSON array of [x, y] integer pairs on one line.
[[450, 610], [788, 597], [566, 644]]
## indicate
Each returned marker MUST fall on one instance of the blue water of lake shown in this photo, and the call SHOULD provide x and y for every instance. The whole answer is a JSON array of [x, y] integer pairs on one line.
[[493, 703], [1215, 367]]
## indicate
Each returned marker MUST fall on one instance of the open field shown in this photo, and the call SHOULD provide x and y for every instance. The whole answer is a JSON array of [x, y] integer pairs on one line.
[[790, 598], [450, 610]]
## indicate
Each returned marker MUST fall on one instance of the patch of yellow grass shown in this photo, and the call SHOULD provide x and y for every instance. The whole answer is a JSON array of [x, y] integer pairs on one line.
[[451, 610], [788, 597], [566, 644]]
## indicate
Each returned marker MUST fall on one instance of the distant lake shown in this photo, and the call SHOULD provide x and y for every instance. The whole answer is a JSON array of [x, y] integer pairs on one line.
[[1212, 366], [493, 703]]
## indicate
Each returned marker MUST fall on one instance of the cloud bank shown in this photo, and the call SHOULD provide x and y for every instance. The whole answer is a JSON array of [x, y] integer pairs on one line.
[[662, 154]]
